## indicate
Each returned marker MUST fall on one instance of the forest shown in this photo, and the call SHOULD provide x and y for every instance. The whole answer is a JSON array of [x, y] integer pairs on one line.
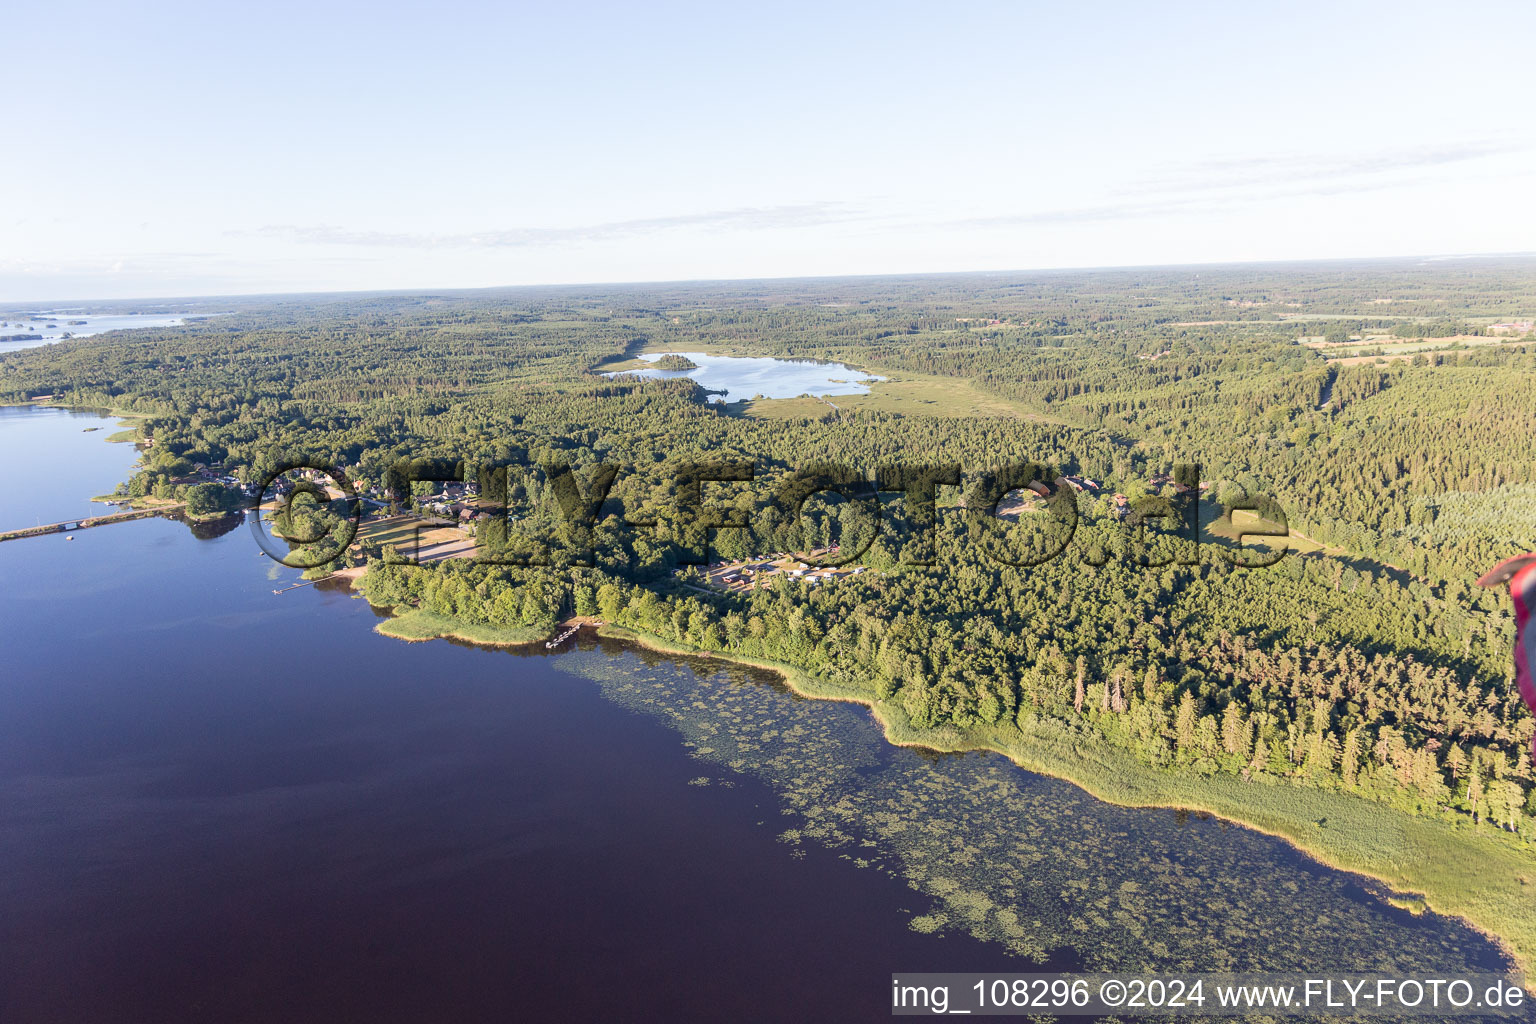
[[1364, 662]]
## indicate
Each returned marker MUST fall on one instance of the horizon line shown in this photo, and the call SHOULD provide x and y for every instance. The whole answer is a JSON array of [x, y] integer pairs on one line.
[[1123, 267]]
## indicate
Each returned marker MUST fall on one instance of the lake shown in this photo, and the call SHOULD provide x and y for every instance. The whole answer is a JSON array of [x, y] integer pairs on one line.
[[57, 325], [221, 804], [740, 378], [55, 461]]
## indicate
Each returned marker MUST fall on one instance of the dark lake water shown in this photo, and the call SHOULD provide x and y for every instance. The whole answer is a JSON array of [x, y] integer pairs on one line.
[[221, 804]]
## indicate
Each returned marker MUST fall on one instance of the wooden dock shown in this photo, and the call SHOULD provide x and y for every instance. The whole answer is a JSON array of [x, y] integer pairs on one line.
[[85, 523], [572, 626]]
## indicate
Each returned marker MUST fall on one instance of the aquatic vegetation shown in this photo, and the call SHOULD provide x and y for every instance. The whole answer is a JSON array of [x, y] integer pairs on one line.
[[1027, 861]]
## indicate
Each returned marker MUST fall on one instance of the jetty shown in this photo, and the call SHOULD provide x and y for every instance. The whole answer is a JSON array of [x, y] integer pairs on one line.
[[70, 525], [563, 637], [303, 583]]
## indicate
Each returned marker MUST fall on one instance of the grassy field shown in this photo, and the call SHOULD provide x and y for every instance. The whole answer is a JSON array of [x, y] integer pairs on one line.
[[1477, 873], [904, 394], [436, 541], [1393, 348], [417, 625], [145, 501], [1296, 543]]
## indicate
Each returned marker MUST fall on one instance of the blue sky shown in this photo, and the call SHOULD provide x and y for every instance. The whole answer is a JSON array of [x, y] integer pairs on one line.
[[162, 149]]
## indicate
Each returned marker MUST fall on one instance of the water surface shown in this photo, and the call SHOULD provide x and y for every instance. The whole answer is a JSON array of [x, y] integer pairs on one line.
[[54, 461], [221, 804], [57, 325], [740, 378]]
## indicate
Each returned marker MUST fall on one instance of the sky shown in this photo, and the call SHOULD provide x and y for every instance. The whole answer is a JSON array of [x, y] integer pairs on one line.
[[165, 149]]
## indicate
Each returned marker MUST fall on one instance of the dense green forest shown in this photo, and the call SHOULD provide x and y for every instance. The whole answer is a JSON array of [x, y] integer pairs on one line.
[[1372, 666]]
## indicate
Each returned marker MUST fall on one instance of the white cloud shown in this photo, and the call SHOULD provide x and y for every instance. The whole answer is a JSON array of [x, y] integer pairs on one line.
[[767, 218]]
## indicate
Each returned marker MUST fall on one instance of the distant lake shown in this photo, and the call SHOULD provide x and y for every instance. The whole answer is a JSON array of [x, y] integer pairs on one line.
[[745, 377], [57, 325]]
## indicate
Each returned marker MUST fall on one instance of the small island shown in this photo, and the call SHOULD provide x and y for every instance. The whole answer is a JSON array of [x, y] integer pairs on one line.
[[673, 361]]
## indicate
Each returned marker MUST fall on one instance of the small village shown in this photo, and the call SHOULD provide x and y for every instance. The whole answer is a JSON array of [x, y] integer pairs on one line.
[[442, 524], [747, 574], [1016, 503]]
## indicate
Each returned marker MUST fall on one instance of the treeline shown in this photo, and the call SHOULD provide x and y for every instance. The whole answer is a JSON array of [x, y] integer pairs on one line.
[[1312, 672], [1381, 671]]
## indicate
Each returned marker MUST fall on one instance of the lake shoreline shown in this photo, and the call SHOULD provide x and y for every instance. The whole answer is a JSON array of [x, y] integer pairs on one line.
[[744, 378], [1059, 756], [901, 734], [413, 625], [376, 674], [1416, 863]]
